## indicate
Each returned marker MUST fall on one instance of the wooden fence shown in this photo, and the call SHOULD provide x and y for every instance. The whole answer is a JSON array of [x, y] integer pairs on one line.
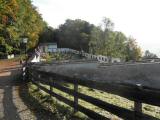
[[137, 94]]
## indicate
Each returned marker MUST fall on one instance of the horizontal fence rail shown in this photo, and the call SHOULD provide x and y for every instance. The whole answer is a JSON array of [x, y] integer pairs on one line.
[[137, 94], [99, 58]]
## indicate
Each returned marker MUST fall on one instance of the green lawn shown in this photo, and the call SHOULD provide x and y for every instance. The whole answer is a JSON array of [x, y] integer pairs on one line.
[[110, 98], [61, 111]]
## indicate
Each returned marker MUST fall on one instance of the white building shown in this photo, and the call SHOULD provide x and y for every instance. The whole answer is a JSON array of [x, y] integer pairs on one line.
[[48, 47]]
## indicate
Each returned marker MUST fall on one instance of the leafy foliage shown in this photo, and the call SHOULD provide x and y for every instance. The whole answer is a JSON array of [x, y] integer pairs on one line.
[[133, 50], [81, 35], [47, 35], [111, 43], [149, 55], [75, 34], [19, 18]]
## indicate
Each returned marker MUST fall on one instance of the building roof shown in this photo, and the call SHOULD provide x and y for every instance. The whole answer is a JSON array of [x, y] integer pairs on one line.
[[49, 43]]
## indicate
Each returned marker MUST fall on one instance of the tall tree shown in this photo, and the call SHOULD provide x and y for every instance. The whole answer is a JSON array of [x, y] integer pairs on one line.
[[107, 42], [120, 40], [19, 18], [47, 35], [75, 34], [8, 15], [95, 44], [133, 51]]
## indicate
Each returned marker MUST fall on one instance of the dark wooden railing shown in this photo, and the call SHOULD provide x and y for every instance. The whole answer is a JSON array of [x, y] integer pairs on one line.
[[137, 94]]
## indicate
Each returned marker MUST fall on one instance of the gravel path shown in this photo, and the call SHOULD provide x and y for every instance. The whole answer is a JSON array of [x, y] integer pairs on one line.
[[17, 103], [12, 106]]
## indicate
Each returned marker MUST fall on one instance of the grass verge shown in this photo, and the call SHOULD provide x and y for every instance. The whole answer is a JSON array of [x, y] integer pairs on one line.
[[45, 107], [109, 98]]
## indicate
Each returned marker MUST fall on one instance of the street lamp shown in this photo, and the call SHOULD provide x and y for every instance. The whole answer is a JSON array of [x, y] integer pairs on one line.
[[25, 40]]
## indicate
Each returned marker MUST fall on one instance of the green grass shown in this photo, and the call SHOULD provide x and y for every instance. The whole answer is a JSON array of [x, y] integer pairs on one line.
[[60, 56], [110, 98], [60, 110]]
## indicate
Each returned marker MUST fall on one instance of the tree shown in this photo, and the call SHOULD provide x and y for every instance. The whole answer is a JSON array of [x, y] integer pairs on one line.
[[47, 35], [107, 24], [95, 44], [19, 18], [102, 38], [120, 40], [107, 42], [149, 55], [75, 34], [8, 15], [133, 51]]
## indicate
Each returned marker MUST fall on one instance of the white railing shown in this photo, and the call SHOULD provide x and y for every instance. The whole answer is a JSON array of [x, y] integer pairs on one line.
[[100, 58]]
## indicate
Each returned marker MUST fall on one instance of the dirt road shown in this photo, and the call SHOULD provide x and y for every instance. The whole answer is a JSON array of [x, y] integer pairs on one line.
[[12, 106]]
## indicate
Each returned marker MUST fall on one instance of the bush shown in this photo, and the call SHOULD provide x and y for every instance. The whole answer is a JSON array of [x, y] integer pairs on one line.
[[3, 55], [16, 51], [47, 57]]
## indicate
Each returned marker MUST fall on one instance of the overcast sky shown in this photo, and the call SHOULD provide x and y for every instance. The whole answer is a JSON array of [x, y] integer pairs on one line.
[[138, 18]]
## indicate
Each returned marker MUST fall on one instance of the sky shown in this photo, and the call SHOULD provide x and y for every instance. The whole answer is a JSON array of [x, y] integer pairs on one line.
[[137, 18]]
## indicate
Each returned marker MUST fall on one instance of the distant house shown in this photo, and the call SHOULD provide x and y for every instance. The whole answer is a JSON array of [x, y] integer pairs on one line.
[[47, 47]]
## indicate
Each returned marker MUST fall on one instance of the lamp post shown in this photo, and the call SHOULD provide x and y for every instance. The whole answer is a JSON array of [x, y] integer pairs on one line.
[[25, 40]]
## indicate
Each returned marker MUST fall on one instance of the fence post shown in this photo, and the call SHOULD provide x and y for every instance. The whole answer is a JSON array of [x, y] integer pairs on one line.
[[75, 95], [23, 72], [138, 106], [27, 77], [138, 110], [39, 76], [50, 84]]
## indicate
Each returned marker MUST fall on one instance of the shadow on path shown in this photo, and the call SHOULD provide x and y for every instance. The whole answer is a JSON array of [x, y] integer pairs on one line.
[[15, 100], [36, 107], [8, 108]]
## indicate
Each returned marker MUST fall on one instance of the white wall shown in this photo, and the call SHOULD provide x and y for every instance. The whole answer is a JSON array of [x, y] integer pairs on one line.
[[48, 48]]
